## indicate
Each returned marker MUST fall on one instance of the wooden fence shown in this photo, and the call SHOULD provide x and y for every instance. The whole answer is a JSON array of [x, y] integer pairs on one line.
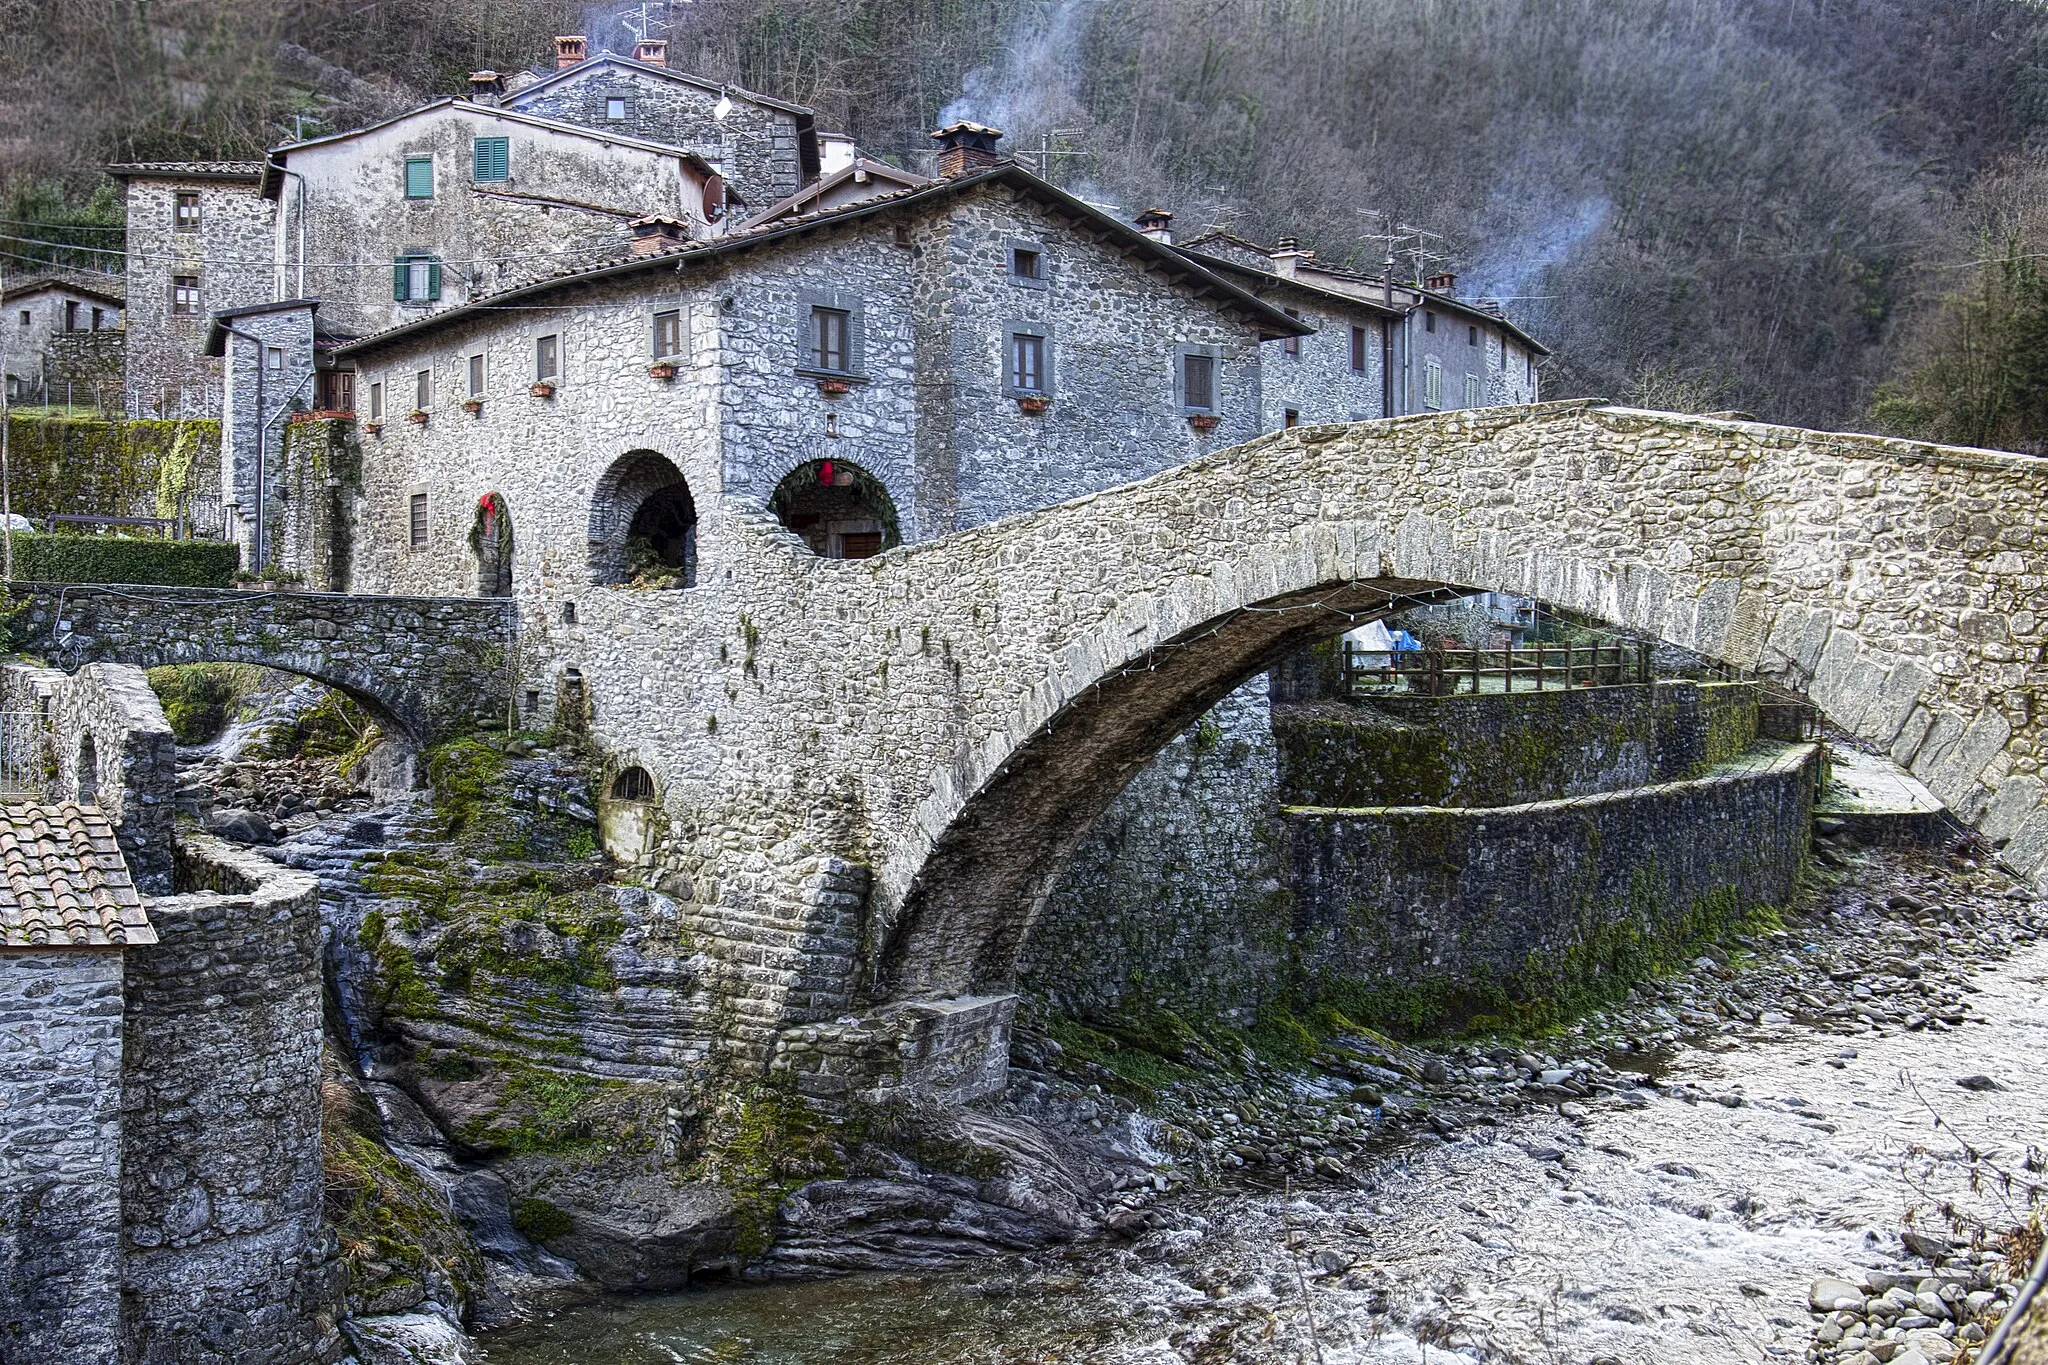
[[1532, 668]]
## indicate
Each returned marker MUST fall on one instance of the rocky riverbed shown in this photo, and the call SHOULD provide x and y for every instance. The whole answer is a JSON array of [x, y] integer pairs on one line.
[[1852, 1098]]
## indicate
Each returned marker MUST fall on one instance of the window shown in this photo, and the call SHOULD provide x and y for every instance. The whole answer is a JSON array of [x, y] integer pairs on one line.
[[416, 279], [1428, 321], [547, 359], [633, 785], [1432, 383], [1291, 418], [1027, 264], [419, 521], [185, 295], [335, 391], [185, 210], [419, 177], [273, 359], [1291, 345], [99, 319], [668, 334], [1471, 336], [829, 338], [1358, 350], [476, 376], [1027, 363], [377, 402], [1472, 394], [423, 391], [493, 158], [71, 315], [614, 110], [1198, 381], [24, 317]]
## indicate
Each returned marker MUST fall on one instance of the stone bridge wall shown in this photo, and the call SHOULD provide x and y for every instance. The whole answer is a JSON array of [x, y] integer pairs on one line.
[[431, 666], [954, 714]]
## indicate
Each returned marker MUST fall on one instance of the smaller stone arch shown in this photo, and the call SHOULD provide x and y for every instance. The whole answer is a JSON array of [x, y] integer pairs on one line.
[[643, 524], [625, 815], [633, 784], [88, 772], [839, 509], [490, 540]]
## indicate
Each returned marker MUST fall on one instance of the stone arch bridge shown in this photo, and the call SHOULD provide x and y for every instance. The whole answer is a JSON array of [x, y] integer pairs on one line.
[[874, 782], [425, 667]]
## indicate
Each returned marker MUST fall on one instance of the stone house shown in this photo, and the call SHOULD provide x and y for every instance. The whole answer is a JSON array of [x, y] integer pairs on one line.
[[199, 240], [765, 148], [59, 329], [857, 179]]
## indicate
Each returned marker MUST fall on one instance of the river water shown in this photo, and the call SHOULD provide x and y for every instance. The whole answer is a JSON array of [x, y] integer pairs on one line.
[[1643, 1228]]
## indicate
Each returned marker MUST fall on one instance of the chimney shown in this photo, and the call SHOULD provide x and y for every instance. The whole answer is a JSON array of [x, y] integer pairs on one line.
[[965, 147], [569, 50], [486, 87], [1286, 254], [1156, 224], [651, 52], [658, 233], [1440, 283]]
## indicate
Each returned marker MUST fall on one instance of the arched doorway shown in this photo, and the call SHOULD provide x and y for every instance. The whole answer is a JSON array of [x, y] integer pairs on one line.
[[643, 524], [490, 539], [840, 510], [625, 815]]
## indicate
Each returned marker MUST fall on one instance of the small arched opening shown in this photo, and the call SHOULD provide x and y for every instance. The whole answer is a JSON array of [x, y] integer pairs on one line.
[[625, 816], [88, 772], [643, 524], [490, 540], [840, 510], [572, 703]]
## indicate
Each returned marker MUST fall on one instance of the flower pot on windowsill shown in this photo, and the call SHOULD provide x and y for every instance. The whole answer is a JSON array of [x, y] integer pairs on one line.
[[832, 388], [418, 417], [662, 369], [1034, 406], [374, 428], [472, 406], [541, 389], [1203, 421]]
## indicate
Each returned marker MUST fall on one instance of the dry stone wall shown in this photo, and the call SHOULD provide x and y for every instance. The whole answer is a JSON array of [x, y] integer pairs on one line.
[[230, 254]]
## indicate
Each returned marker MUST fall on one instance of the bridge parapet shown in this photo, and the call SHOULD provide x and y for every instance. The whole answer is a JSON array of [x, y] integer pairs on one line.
[[426, 666]]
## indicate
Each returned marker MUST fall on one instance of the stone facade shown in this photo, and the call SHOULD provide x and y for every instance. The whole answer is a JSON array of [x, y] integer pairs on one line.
[[756, 143], [229, 251], [227, 1259], [105, 743], [60, 1156], [424, 667], [43, 316], [566, 197], [267, 370]]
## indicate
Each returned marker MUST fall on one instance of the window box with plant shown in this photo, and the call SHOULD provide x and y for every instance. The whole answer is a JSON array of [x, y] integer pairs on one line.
[[1033, 404], [374, 428], [1204, 421], [418, 417], [473, 406], [662, 369]]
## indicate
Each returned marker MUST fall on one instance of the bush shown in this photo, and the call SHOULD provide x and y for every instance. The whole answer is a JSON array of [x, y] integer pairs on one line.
[[196, 698], [117, 559]]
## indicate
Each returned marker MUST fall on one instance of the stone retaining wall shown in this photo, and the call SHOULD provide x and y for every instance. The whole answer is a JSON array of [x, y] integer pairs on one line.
[[227, 1262], [1418, 916]]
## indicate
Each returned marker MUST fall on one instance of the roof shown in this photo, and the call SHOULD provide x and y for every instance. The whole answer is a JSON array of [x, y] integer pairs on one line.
[[610, 58], [66, 883], [217, 329], [1271, 320], [817, 189], [1268, 279], [250, 171], [114, 292], [273, 169], [1317, 267]]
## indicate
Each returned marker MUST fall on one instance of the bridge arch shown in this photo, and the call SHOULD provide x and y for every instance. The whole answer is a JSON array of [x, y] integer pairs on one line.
[[1751, 546]]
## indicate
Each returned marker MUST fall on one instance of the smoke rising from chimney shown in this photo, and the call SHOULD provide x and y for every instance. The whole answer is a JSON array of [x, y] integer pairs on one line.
[[1031, 85], [1529, 238]]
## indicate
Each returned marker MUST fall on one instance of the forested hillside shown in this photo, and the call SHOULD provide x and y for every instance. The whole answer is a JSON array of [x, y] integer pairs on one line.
[[1776, 206]]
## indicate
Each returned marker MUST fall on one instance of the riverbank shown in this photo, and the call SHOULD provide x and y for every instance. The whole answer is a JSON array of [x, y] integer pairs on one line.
[[1663, 1184]]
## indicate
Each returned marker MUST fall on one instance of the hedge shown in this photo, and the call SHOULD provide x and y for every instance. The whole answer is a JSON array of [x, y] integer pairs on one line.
[[105, 468], [115, 559]]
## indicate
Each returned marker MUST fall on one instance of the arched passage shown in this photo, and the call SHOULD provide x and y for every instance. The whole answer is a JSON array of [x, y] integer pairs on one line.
[[490, 540], [840, 510], [88, 772], [643, 524]]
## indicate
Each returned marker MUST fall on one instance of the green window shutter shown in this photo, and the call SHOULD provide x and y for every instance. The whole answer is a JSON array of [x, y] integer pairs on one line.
[[433, 279], [493, 158], [419, 178], [401, 274]]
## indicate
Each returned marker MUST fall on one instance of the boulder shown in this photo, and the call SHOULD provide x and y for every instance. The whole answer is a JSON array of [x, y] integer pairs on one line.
[[410, 1339]]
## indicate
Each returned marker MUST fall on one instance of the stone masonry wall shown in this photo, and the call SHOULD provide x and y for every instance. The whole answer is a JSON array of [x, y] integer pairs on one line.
[[1499, 750], [60, 1156], [133, 775], [1421, 914], [231, 254], [429, 666], [253, 414], [228, 1262]]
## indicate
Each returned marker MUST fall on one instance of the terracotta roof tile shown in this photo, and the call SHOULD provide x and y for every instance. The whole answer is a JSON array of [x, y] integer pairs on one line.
[[63, 883]]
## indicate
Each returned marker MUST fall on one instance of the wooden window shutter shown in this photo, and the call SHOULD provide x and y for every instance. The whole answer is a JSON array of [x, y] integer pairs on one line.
[[401, 280], [433, 279]]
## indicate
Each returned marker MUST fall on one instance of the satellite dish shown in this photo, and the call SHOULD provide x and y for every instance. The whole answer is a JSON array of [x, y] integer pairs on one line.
[[722, 108], [714, 198]]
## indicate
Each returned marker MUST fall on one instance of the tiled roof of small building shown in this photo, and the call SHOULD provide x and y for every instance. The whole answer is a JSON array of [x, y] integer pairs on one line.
[[188, 170], [63, 883]]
